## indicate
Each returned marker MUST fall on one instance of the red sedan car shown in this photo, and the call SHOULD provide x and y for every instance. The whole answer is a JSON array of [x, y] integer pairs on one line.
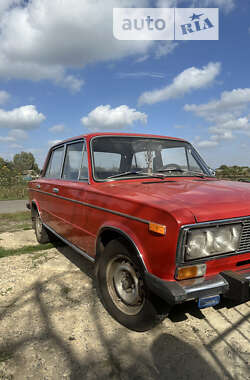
[[148, 211]]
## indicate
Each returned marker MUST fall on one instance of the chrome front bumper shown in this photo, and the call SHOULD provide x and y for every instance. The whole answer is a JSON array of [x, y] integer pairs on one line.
[[233, 285]]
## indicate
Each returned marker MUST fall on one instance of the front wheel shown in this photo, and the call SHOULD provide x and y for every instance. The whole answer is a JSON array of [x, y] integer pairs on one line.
[[122, 289]]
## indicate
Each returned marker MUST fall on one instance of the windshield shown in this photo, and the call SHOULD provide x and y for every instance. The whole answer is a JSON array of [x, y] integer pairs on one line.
[[116, 157]]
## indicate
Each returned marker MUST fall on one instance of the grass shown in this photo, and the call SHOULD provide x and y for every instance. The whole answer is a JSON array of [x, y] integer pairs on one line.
[[17, 216], [26, 249], [4, 356], [15, 222]]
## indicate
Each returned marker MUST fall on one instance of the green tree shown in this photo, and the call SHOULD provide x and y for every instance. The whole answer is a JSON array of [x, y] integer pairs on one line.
[[25, 161], [2, 163]]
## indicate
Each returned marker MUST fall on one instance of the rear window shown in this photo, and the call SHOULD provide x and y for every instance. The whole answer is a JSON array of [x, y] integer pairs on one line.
[[55, 163]]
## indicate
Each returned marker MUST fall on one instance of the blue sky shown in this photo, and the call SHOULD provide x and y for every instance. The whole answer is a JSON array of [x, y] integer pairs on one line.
[[62, 73]]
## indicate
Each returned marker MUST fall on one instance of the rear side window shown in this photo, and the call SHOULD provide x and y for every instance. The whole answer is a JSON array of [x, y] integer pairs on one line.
[[55, 163], [73, 160]]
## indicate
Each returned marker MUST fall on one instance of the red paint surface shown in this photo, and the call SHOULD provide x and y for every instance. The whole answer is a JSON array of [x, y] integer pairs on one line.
[[184, 201]]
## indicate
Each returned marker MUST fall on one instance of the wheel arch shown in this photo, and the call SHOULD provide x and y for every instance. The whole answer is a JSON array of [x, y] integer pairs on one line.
[[108, 233], [34, 208]]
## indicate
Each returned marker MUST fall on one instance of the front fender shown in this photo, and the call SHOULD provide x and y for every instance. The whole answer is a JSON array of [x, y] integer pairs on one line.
[[128, 234]]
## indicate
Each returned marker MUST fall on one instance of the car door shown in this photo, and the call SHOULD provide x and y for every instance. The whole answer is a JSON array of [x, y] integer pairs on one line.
[[75, 184], [48, 189]]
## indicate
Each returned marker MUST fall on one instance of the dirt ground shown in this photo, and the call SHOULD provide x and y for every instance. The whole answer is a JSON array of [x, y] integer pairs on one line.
[[52, 326]]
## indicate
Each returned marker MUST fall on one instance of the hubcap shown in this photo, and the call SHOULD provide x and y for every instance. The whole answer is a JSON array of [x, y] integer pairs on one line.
[[125, 285]]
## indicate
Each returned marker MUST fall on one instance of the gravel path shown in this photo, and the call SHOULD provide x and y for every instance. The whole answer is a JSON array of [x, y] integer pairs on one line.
[[52, 326]]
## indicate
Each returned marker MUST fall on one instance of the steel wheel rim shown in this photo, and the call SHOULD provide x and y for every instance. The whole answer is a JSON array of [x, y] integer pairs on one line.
[[39, 224], [125, 285]]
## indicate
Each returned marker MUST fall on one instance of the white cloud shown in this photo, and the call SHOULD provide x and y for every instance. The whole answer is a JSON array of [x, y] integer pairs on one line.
[[222, 135], [6, 139], [227, 5], [206, 143], [164, 48], [230, 102], [13, 136], [190, 79], [5, 4], [140, 74], [53, 142], [142, 58], [18, 134], [58, 128], [242, 123], [106, 118], [15, 146], [25, 118], [4, 97], [226, 114], [43, 39]]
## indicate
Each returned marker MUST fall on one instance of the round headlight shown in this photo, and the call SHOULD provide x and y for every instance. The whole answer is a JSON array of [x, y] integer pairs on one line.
[[222, 240], [196, 244]]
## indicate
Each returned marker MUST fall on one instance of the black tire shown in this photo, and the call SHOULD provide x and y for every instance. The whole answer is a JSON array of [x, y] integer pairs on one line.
[[42, 235], [122, 289]]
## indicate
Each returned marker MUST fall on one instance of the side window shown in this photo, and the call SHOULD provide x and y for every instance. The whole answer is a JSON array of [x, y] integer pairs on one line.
[[73, 161], [175, 156], [193, 164], [55, 163]]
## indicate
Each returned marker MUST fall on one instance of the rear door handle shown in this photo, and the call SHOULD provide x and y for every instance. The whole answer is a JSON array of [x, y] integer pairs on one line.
[[55, 190], [38, 186]]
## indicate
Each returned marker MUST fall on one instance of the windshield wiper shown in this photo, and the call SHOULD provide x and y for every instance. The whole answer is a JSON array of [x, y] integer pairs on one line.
[[169, 170], [196, 174], [130, 172], [136, 172]]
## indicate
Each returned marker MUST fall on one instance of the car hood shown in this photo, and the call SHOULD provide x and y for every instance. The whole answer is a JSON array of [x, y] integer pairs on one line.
[[206, 199]]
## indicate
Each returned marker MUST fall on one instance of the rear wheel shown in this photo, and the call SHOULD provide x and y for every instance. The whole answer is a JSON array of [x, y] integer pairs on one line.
[[42, 234], [122, 289]]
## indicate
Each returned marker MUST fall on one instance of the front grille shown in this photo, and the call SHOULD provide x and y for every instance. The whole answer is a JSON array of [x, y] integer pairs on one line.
[[245, 237]]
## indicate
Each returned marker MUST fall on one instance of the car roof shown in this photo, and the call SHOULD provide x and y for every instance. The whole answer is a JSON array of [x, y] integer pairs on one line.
[[89, 136]]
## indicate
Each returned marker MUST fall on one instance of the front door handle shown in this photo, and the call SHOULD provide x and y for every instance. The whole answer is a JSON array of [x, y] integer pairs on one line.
[[55, 190]]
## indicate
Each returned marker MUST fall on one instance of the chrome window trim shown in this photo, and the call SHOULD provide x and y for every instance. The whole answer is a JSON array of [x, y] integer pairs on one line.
[[65, 145], [200, 161], [63, 161], [84, 151], [180, 251]]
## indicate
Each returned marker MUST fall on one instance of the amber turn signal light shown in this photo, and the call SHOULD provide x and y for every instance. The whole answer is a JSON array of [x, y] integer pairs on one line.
[[157, 228], [191, 271]]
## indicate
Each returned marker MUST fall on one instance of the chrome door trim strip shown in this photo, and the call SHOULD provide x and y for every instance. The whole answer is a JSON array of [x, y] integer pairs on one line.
[[78, 250], [95, 207]]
